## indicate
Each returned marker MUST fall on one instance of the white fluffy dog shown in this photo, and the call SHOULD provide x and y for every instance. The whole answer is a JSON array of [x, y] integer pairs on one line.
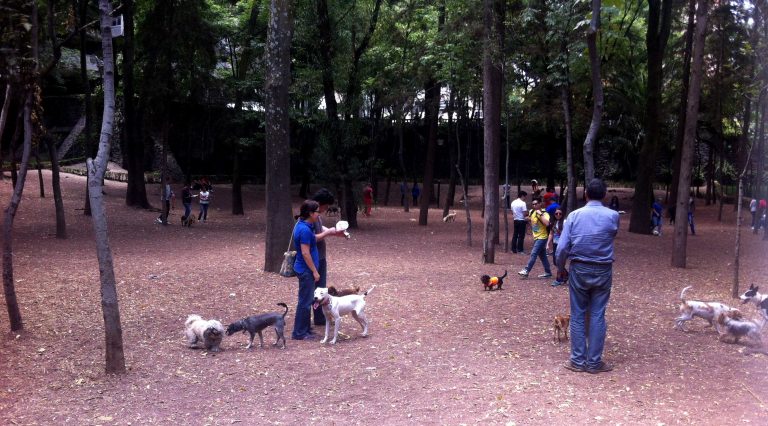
[[209, 333], [336, 307]]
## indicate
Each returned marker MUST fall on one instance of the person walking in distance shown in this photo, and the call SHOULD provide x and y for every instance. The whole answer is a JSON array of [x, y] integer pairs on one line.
[[166, 196], [205, 199], [691, 210], [587, 240], [367, 199], [519, 213], [540, 229]]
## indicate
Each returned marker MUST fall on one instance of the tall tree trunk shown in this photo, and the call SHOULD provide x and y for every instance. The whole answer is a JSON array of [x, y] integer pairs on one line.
[[452, 157], [14, 313], [597, 92], [679, 246], [4, 119], [493, 22], [136, 191], [237, 184], [113, 331], [659, 24], [432, 111], [565, 94], [58, 201], [40, 181], [278, 142], [680, 133], [83, 17]]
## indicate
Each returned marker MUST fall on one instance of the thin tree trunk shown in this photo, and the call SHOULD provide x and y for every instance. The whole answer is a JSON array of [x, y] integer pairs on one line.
[[679, 246], [58, 201], [466, 206], [680, 133], [432, 106], [14, 313], [597, 92], [237, 186], [452, 158], [67, 143], [40, 181], [113, 331], [4, 119], [278, 172], [83, 17], [570, 202]]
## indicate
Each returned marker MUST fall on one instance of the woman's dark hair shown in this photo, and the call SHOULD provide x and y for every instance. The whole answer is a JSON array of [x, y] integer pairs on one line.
[[522, 194], [308, 207], [324, 197]]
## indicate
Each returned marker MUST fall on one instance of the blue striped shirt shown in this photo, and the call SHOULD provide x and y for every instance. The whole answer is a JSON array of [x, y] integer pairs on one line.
[[588, 235]]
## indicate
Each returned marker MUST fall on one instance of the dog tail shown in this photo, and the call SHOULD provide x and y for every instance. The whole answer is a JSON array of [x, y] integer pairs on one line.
[[367, 292], [192, 318], [285, 306], [682, 293], [503, 276]]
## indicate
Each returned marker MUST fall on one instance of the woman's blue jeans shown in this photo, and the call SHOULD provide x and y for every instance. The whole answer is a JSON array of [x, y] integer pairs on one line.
[[590, 289], [301, 324]]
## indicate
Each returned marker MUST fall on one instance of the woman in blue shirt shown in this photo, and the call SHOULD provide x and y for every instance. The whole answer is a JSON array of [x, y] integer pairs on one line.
[[306, 267]]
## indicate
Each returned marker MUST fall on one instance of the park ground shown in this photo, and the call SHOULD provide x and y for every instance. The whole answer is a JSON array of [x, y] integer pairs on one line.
[[441, 350]]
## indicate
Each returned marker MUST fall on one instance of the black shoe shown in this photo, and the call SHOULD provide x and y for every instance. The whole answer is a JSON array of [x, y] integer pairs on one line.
[[573, 367], [601, 368]]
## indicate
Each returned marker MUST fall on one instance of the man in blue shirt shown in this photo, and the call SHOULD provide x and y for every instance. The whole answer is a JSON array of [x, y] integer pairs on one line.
[[587, 240]]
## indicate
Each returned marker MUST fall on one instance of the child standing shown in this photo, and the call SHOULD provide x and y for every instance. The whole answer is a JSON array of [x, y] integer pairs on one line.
[[205, 199]]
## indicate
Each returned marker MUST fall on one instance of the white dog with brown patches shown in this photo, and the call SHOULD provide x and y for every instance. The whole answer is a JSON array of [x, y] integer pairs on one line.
[[336, 307], [706, 310]]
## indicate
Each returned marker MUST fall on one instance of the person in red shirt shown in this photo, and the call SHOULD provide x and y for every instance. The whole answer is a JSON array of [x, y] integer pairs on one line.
[[367, 199]]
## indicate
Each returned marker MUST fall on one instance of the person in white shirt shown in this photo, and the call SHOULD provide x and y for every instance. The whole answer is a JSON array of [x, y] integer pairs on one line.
[[205, 199], [753, 210], [519, 213]]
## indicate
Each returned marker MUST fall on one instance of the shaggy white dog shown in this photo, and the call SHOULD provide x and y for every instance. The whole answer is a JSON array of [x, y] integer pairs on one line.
[[209, 333]]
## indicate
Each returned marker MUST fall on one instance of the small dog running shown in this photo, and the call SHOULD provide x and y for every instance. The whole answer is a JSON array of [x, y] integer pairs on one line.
[[706, 310], [490, 282], [336, 307], [256, 323], [450, 217], [738, 328], [760, 300], [560, 325], [209, 333], [188, 221], [343, 292]]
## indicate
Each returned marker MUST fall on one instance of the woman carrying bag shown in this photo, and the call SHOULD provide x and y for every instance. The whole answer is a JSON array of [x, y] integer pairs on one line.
[[306, 267]]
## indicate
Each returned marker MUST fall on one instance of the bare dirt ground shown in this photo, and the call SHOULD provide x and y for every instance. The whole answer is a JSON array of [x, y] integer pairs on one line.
[[441, 350]]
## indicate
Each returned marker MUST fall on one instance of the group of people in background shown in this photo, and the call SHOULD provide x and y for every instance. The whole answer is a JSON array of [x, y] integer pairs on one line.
[[167, 196]]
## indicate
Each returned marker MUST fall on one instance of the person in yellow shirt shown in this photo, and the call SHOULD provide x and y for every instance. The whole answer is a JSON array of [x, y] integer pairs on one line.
[[539, 219]]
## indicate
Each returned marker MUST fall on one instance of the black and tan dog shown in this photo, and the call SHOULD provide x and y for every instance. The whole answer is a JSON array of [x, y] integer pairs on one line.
[[256, 323], [490, 282], [188, 221]]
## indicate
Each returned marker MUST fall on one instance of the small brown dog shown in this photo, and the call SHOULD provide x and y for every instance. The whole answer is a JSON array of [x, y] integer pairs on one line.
[[560, 325], [343, 292]]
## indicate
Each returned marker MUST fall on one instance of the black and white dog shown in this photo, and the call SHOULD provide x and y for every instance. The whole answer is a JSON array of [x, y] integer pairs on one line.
[[256, 323], [760, 300]]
